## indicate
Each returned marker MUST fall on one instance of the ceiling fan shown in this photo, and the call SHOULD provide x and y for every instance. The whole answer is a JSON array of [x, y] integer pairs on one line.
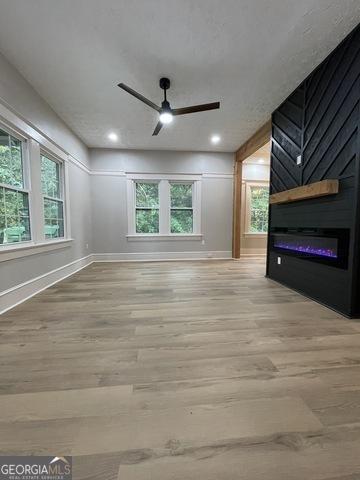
[[166, 113]]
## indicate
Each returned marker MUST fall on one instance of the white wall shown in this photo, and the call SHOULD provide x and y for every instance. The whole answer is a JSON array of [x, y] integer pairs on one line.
[[21, 98], [110, 210], [252, 244]]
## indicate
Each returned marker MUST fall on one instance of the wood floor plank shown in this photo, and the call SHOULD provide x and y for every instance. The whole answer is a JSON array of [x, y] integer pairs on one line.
[[173, 370], [83, 402], [196, 425], [295, 456]]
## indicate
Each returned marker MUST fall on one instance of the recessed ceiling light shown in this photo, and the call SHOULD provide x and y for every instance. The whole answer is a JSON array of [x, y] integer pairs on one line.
[[261, 160], [113, 136], [215, 139]]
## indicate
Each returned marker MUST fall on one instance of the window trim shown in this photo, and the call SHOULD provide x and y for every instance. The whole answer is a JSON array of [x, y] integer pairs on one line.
[[24, 249], [250, 184], [164, 182], [33, 139], [31, 163], [147, 237]]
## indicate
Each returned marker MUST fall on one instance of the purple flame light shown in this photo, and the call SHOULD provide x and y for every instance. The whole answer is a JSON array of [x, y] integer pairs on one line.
[[321, 252]]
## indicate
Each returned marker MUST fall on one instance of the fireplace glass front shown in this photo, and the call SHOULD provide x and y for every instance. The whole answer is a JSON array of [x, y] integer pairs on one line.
[[329, 246]]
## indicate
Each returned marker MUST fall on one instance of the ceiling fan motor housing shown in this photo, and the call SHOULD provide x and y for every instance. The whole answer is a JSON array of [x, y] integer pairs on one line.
[[164, 83]]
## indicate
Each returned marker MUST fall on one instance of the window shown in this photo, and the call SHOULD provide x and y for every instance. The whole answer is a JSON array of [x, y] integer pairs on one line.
[[52, 189], [163, 207], [14, 197], [147, 207], [181, 209], [32, 182], [259, 205]]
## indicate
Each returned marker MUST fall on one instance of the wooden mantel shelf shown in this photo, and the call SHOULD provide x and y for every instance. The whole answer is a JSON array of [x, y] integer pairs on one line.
[[313, 190]]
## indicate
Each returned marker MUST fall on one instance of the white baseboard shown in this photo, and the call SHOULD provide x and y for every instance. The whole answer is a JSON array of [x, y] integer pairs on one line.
[[252, 255], [161, 256], [253, 252], [14, 296]]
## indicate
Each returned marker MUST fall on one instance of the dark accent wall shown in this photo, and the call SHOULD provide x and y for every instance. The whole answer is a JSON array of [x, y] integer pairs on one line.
[[320, 121]]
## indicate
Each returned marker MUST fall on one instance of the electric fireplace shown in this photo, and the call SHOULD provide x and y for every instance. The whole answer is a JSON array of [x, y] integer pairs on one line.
[[323, 245]]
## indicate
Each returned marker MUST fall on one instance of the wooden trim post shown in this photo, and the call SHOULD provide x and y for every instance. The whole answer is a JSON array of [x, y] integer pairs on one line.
[[237, 209], [258, 140]]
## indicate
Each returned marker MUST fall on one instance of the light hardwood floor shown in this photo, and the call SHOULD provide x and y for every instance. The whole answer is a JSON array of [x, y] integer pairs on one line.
[[182, 371]]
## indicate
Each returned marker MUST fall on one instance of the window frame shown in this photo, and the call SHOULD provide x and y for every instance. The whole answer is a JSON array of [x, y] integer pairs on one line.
[[164, 182], [249, 185], [26, 184], [63, 194], [32, 141]]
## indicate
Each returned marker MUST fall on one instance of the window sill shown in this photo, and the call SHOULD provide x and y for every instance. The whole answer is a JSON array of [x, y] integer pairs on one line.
[[255, 234], [156, 237], [10, 252]]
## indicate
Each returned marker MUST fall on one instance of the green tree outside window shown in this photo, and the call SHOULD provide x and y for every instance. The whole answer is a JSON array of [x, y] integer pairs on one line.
[[181, 213], [147, 207], [14, 203], [259, 206], [53, 203]]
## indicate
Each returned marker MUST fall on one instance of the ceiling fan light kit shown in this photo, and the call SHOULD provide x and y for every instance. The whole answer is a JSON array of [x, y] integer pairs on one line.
[[166, 113], [166, 117]]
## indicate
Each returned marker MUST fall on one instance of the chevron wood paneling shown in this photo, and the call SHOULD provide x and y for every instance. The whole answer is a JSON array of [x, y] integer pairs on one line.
[[331, 116], [320, 122], [287, 124]]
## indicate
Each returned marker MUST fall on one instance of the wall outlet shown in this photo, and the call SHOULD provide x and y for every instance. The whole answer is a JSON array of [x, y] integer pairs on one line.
[[87, 246], [279, 260], [298, 160], [203, 242]]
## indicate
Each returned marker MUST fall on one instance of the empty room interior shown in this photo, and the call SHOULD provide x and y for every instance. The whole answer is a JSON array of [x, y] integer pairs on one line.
[[180, 239]]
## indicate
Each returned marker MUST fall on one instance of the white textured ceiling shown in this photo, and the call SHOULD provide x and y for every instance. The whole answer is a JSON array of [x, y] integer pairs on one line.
[[249, 54]]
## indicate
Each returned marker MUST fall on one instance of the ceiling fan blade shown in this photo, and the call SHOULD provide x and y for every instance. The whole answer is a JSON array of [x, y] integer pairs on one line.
[[139, 96], [196, 108], [157, 128]]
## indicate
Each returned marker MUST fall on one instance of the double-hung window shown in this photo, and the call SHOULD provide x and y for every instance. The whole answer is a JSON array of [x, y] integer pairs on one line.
[[52, 190], [14, 193], [163, 206], [147, 207], [181, 207]]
